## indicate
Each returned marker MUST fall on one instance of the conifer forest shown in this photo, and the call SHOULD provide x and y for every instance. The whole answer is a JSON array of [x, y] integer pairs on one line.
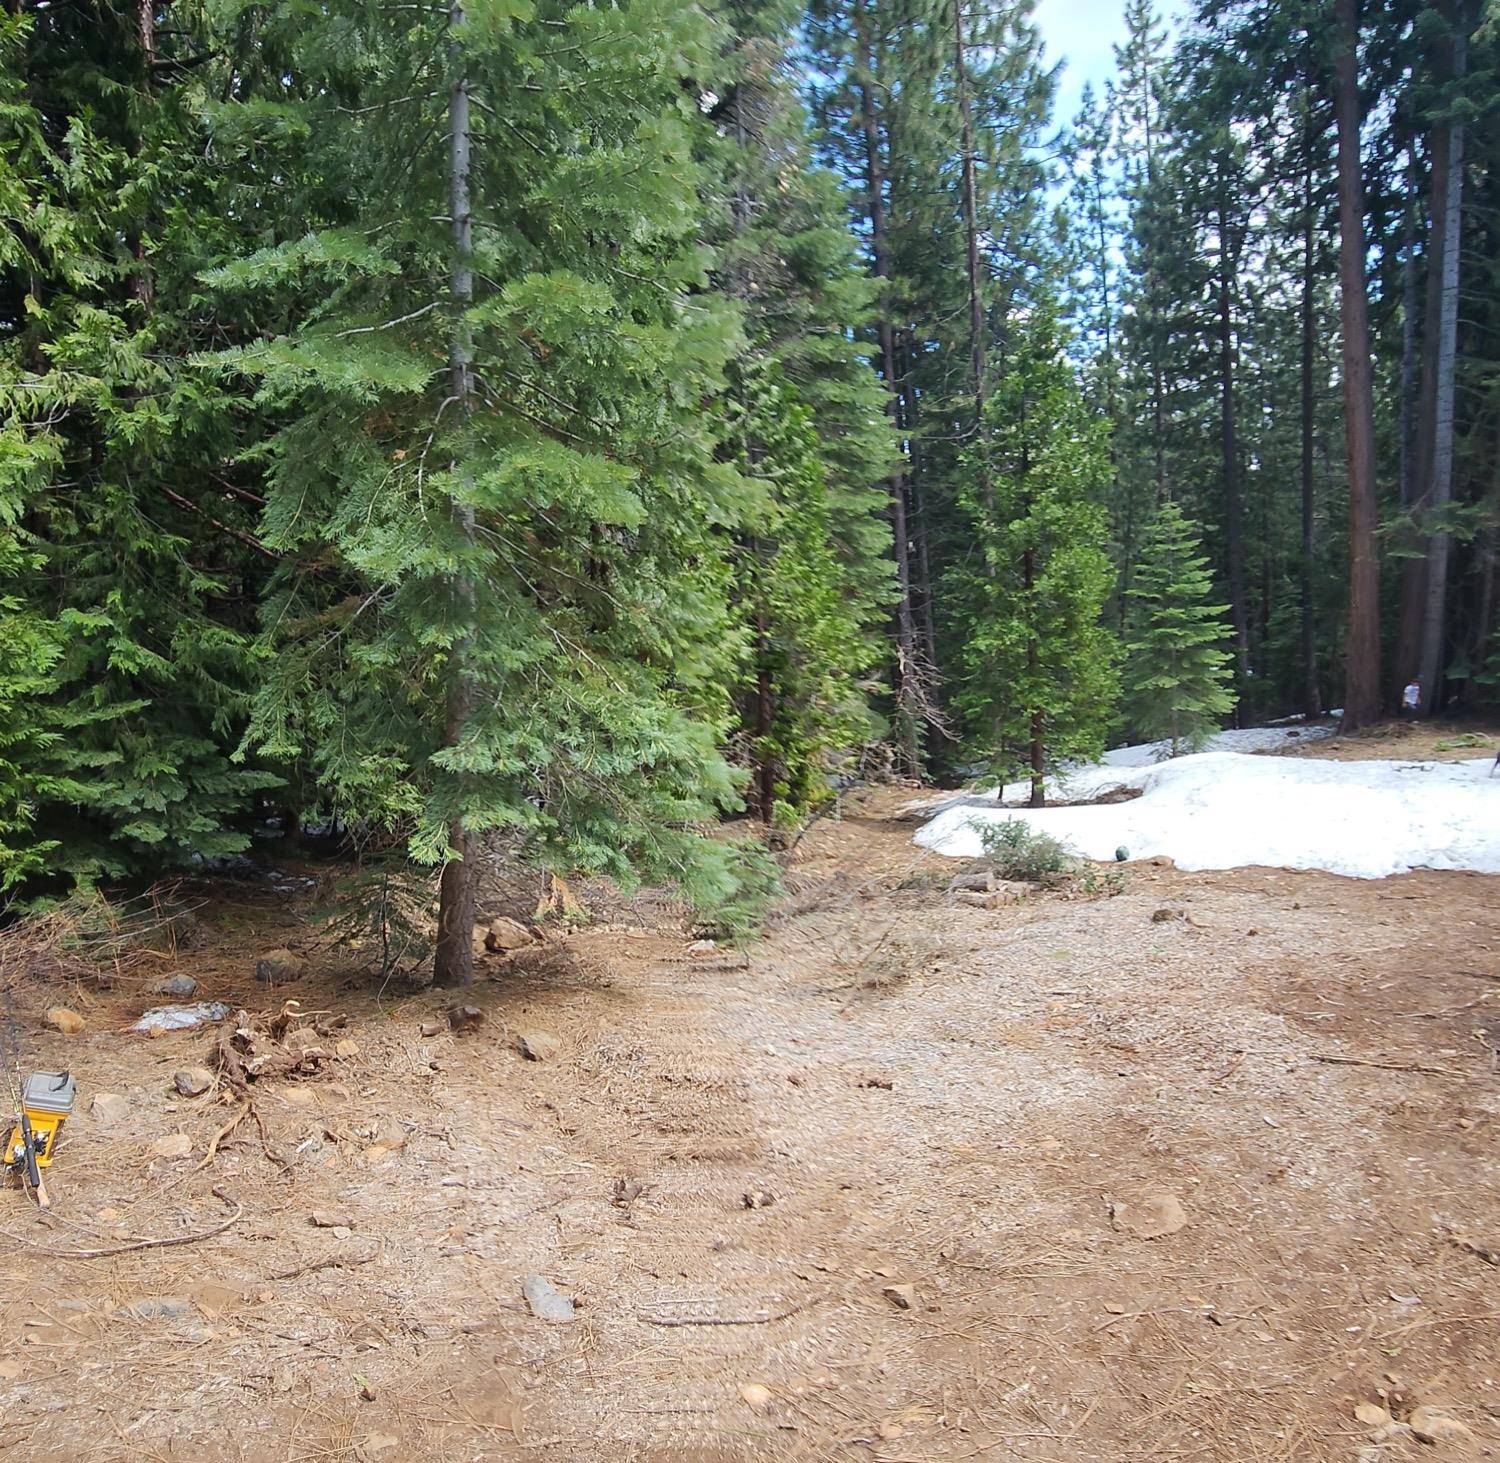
[[750, 731], [553, 431]]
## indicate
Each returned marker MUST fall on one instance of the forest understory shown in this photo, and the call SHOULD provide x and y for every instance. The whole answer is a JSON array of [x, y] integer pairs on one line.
[[1192, 1171]]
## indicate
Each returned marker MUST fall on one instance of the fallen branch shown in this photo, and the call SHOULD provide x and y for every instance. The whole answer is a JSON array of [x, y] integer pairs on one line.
[[651, 1320], [337, 1263], [1386, 1066], [140, 1244], [223, 1133]]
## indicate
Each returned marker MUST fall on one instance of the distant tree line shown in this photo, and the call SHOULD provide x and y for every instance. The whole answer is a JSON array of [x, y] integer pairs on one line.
[[550, 428]]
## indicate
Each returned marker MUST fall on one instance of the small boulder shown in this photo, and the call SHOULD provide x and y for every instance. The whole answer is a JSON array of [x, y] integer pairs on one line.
[[331, 1219], [1434, 1425], [65, 1020], [389, 1137], [173, 1145], [756, 1396], [179, 987], [547, 1303], [1152, 1216], [537, 1046], [432, 1028], [193, 1081], [277, 965], [346, 1048], [505, 935], [156, 1308], [109, 1109], [903, 1297]]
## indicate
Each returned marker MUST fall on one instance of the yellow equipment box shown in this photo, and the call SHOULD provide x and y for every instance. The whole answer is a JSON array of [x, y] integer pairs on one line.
[[46, 1099]]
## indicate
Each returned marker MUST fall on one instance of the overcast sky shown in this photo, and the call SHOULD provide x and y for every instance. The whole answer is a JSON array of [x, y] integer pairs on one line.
[[1083, 34]]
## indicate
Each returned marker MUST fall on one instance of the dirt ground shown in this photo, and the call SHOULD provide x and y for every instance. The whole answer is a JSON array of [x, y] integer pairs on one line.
[[1189, 1172]]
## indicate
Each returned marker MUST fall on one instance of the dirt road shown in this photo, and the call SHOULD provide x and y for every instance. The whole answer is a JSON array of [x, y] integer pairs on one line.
[[1185, 1173]]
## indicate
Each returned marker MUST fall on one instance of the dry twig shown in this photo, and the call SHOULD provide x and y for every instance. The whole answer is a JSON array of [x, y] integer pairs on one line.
[[140, 1244]]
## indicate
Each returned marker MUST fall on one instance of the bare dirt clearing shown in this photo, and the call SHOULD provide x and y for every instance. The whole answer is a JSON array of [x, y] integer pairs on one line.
[[1186, 1173]]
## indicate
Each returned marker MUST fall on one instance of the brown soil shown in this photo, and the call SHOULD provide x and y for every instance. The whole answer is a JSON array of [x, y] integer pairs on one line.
[[1424, 741], [730, 1160]]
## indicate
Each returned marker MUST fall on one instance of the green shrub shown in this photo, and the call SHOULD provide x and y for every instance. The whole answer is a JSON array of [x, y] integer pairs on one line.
[[1019, 851]]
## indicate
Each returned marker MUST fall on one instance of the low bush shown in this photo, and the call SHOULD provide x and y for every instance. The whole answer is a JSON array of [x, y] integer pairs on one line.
[[1019, 851]]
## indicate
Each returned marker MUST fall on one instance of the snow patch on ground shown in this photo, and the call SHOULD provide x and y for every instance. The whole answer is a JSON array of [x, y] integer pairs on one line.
[[1229, 809]]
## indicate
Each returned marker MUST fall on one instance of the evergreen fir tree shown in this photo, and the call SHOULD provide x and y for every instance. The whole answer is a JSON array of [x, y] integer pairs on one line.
[[1039, 682], [813, 577], [502, 597], [1178, 670], [127, 577]]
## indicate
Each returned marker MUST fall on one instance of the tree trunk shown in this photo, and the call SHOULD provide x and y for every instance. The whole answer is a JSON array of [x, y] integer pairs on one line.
[[1037, 756], [765, 702], [1362, 638], [1234, 527], [907, 694], [143, 283], [971, 243], [1487, 551], [1440, 493], [453, 961], [918, 520], [1409, 614], [1312, 701], [1408, 658]]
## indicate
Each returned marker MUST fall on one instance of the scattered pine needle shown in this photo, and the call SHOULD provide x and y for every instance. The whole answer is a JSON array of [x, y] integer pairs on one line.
[[140, 1244]]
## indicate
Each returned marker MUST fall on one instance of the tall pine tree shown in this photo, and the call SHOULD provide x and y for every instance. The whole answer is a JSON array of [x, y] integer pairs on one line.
[[1039, 681]]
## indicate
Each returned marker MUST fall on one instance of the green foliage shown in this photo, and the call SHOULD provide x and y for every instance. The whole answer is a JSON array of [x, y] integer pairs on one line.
[[124, 599], [554, 545], [381, 913], [1039, 668], [1019, 851], [804, 713], [1177, 670]]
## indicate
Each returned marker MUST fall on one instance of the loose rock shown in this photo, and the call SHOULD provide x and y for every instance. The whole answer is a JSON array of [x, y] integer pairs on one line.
[[505, 935], [174, 1145], [1371, 1414], [1151, 1217], [903, 1297], [1434, 1425], [756, 1397], [65, 1020], [193, 1081], [156, 1308], [431, 1028], [182, 987], [537, 1046], [161, 1019], [390, 1136], [109, 1109], [346, 1048], [331, 1219], [547, 1303], [277, 965]]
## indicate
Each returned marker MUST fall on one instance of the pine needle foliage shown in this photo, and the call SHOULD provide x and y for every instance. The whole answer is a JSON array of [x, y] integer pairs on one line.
[[1040, 682], [1178, 671], [559, 541]]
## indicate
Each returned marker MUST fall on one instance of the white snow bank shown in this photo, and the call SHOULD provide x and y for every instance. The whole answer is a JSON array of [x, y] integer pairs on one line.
[[1223, 810], [1273, 738]]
